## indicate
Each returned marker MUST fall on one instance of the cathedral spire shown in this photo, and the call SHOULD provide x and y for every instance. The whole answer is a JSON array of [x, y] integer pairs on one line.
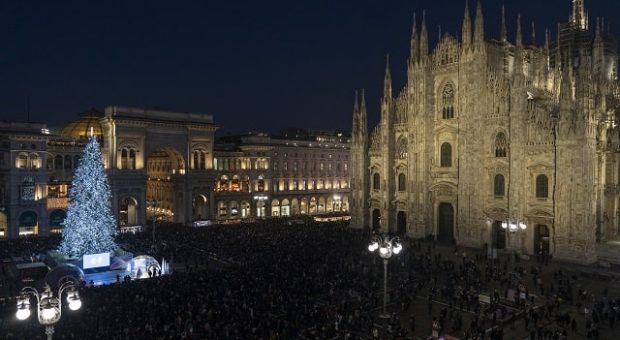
[[466, 30], [423, 38], [356, 112], [415, 42], [479, 29], [519, 38], [363, 116], [504, 31], [387, 81], [579, 17], [558, 51], [518, 66]]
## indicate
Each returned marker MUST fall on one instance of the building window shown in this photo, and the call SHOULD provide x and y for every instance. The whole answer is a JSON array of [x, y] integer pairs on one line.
[[128, 158], [446, 155], [499, 186], [22, 161], [376, 182], [447, 98], [501, 145], [58, 162], [542, 186], [49, 160], [200, 159], [285, 166], [402, 182]]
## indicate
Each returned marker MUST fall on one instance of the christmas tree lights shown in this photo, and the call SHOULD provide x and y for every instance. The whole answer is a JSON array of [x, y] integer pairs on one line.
[[90, 226]]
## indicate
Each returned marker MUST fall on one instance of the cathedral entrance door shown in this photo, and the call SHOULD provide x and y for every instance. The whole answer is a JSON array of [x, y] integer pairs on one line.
[[401, 223], [499, 236], [445, 223], [376, 219], [541, 239]]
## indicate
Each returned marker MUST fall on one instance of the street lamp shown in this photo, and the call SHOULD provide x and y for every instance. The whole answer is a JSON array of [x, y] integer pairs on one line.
[[514, 226], [49, 307], [387, 246], [153, 204]]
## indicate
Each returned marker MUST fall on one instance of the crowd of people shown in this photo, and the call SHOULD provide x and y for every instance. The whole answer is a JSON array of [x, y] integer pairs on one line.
[[273, 280]]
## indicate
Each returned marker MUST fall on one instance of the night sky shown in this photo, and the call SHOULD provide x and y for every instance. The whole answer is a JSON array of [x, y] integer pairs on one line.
[[254, 65]]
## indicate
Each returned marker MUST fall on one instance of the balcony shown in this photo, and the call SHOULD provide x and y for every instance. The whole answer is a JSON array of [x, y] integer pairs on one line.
[[57, 203]]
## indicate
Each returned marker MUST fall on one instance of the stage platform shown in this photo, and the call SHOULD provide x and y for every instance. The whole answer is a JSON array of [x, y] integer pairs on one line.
[[105, 278]]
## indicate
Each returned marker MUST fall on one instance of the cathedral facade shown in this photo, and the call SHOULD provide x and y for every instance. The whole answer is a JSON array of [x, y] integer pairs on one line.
[[506, 144]]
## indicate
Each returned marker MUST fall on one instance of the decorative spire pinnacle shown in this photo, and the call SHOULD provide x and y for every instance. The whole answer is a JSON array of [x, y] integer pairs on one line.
[[597, 36], [558, 50], [579, 17], [479, 30], [423, 38], [363, 116], [519, 38], [466, 30], [387, 82], [363, 103], [415, 43], [356, 112], [533, 33], [504, 31]]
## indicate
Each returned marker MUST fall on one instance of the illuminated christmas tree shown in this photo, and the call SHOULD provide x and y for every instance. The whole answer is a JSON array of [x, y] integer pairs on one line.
[[90, 226]]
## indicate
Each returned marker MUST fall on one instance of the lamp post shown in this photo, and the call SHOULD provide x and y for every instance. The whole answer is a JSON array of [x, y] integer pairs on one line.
[[153, 204], [514, 226], [49, 307], [387, 246]]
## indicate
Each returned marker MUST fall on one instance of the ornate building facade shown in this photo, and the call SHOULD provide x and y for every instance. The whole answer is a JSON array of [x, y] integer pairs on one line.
[[155, 156], [162, 164], [295, 173], [508, 144]]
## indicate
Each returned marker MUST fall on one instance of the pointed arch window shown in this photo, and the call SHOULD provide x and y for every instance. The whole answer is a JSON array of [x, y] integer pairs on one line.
[[446, 155], [402, 182], [447, 101], [542, 186], [501, 145], [376, 182], [499, 186]]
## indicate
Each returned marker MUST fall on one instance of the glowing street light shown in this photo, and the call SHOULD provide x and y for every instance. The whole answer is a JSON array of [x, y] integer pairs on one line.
[[387, 246], [49, 307]]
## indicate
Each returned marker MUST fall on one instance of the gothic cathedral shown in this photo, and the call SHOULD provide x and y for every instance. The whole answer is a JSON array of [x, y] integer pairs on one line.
[[510, 145]]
